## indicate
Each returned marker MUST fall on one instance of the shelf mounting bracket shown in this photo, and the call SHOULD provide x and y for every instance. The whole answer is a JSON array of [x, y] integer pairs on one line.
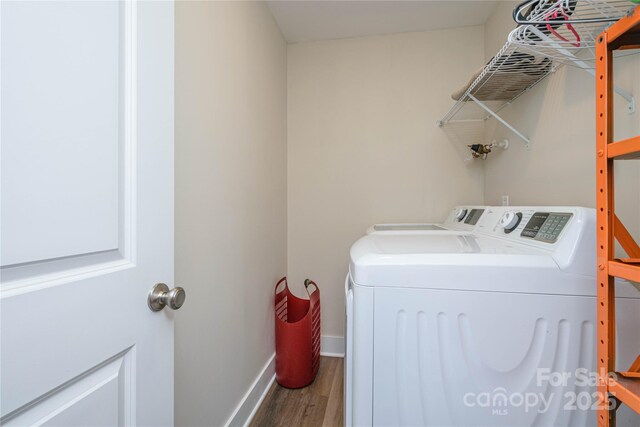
[[631, 101], [501, 120]]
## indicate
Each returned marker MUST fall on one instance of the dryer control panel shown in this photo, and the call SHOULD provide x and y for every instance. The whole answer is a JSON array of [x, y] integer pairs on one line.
[[568, 233], [546, 226], [542, 226]]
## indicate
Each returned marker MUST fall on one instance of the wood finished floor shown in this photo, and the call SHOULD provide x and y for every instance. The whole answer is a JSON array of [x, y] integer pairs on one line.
[[319, 404]]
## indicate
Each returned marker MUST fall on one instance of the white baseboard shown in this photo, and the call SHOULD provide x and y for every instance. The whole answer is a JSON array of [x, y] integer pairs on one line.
[[251, 401], [331, 346]]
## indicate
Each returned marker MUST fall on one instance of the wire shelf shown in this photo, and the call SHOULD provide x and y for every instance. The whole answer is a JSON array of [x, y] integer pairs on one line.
[[565, 30], [508, 75], [551, 33]]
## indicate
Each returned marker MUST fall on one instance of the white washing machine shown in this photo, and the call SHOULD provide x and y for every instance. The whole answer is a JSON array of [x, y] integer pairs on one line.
[[459, 219], [490, 328]]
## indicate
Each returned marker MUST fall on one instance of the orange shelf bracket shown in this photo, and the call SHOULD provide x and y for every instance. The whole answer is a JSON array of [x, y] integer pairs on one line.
[[625, 238], [623, 386]]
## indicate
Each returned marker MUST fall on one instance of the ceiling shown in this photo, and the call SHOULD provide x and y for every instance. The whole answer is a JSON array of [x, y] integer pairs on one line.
[[306, 20]]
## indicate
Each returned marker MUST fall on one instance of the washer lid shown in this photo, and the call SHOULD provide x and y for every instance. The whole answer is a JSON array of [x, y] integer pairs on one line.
[[465, 262], [398, 247], [408, 227]]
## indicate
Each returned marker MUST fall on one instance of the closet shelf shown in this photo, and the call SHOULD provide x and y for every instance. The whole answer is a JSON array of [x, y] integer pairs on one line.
[[508, 75], [551, 33], [566, 30]]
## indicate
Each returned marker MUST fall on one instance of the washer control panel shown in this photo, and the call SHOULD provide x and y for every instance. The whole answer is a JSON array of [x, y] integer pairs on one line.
[[546, 226], [474, 216], [464, 218]]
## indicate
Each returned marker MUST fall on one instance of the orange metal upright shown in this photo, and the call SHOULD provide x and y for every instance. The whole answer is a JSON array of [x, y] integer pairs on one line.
[[613, 386]]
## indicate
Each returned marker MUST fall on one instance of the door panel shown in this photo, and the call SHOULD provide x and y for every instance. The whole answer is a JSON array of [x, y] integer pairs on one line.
[[69, 108], [87, 212], [63, 110], [95, 398]]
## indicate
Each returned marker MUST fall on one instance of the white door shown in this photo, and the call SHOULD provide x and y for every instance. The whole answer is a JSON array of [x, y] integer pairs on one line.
[[87, 212]]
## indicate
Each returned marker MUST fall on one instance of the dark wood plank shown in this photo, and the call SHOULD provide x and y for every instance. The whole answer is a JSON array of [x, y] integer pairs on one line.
[[319, 404]]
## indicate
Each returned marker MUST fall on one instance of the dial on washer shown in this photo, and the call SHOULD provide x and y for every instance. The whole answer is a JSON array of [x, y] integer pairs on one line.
[[510, 221], [460, 214]]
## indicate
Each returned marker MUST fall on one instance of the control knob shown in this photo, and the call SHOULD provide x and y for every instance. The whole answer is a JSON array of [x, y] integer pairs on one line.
[[510, 221], [460, 214]]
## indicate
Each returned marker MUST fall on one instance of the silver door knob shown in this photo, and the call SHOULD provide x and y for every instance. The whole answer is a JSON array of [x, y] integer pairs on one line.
[[160, 295]]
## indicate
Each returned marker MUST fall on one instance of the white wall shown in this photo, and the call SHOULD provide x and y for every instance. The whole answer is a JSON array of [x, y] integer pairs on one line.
[[363, 146], [559, 117], [230, 201]]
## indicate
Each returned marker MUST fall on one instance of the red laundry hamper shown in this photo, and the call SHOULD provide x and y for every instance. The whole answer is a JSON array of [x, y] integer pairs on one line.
[[297, 335]]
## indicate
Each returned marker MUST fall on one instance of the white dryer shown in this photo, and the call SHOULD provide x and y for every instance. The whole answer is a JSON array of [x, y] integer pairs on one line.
[[459, 219], [490, 328]]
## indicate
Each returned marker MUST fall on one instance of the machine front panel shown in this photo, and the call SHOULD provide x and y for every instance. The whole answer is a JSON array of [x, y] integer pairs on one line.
[[450, 359]]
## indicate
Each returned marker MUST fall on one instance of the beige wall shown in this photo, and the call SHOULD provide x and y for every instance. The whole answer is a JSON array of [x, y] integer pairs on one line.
[[230, 201], [497, 27], [558, 116], [363, 146]]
